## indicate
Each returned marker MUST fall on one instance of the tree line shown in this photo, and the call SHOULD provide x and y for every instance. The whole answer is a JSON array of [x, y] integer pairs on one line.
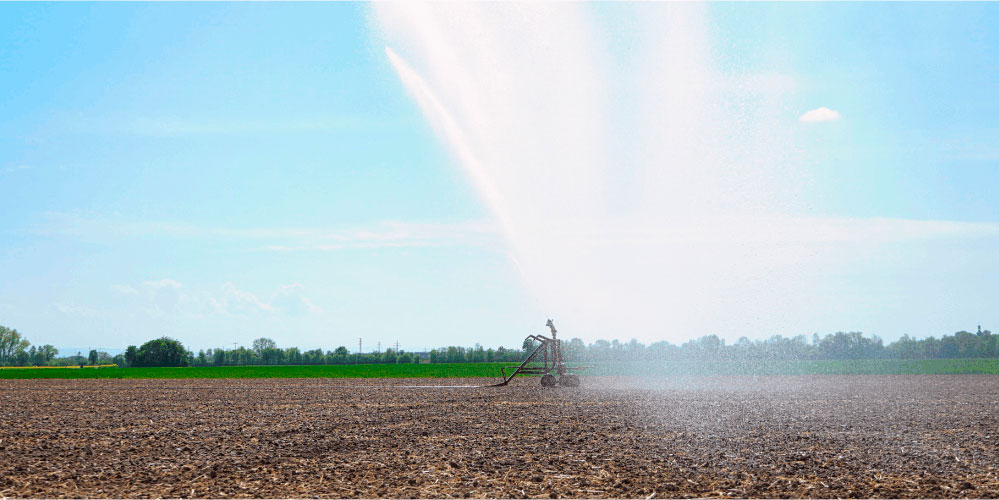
[[265, 351], [833, 346], [15, 350]]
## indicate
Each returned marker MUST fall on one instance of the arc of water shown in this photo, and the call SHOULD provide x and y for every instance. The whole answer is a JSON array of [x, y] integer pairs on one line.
[[445, 125]]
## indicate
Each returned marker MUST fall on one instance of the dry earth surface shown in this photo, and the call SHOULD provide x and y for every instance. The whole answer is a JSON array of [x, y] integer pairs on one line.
[[818, 436]]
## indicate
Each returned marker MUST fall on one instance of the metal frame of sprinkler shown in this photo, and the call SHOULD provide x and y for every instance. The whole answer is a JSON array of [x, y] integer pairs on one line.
[[554, 370]]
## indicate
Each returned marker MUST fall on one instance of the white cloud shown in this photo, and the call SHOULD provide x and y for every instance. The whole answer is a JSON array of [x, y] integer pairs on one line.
[[822, 114], [14, 168], [124, 289]]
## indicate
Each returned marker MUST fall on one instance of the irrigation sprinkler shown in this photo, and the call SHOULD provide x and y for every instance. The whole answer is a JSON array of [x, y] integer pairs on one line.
[[551, 367]]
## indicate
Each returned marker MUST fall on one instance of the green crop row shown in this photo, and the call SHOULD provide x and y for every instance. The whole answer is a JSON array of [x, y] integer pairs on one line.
[[442, 370], [804, 367], [461, 370]]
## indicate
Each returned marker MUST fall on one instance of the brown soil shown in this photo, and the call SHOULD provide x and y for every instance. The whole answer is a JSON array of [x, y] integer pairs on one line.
[[837, 436]]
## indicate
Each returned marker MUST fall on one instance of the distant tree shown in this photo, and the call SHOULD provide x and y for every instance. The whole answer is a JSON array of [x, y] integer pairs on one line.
[[92, 357], [244, 356], [661, 351], [389, 357], [905, 348], [131, 355], [529, 345], [574, 349], [456, 354], [706, 347], [43, 355], [502, 354], [271, 356], [163, 351], [263, 343], [218, 357], [11, 343], [21, 358], [600, 350], [313, 357], [340, 356], [476, 355]]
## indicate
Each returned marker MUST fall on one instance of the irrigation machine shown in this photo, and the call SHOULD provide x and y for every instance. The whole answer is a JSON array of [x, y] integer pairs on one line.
[[551, 365]]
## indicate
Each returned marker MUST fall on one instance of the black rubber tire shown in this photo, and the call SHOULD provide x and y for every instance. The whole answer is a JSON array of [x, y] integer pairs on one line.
[[548, 380], [569, 380]]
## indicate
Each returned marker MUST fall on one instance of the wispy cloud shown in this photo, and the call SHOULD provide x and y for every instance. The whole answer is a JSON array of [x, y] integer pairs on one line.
[[761, 83], [194, 125], [15, 168], [291, 299], [384, 234], [394, 234], [167, 297], [233, 301], [780, 230], [161, 283], [72, 309], [817, 115], [399, 234], [174, 126], [124, 289], [979, 144]]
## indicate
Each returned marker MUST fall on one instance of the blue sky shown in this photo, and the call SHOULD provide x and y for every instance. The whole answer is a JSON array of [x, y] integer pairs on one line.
[[221, 172]]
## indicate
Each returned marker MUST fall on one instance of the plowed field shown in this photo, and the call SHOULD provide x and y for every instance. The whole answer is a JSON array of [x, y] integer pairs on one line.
[[833, 436]]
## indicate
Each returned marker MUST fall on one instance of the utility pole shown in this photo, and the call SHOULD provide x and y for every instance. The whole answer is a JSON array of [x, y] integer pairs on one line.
[[397, 347], [379, 348], [359, 345]]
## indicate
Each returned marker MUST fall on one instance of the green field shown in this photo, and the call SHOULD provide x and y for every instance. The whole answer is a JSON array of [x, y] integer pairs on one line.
[[442, 370], [460, 370], [792, 367]]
